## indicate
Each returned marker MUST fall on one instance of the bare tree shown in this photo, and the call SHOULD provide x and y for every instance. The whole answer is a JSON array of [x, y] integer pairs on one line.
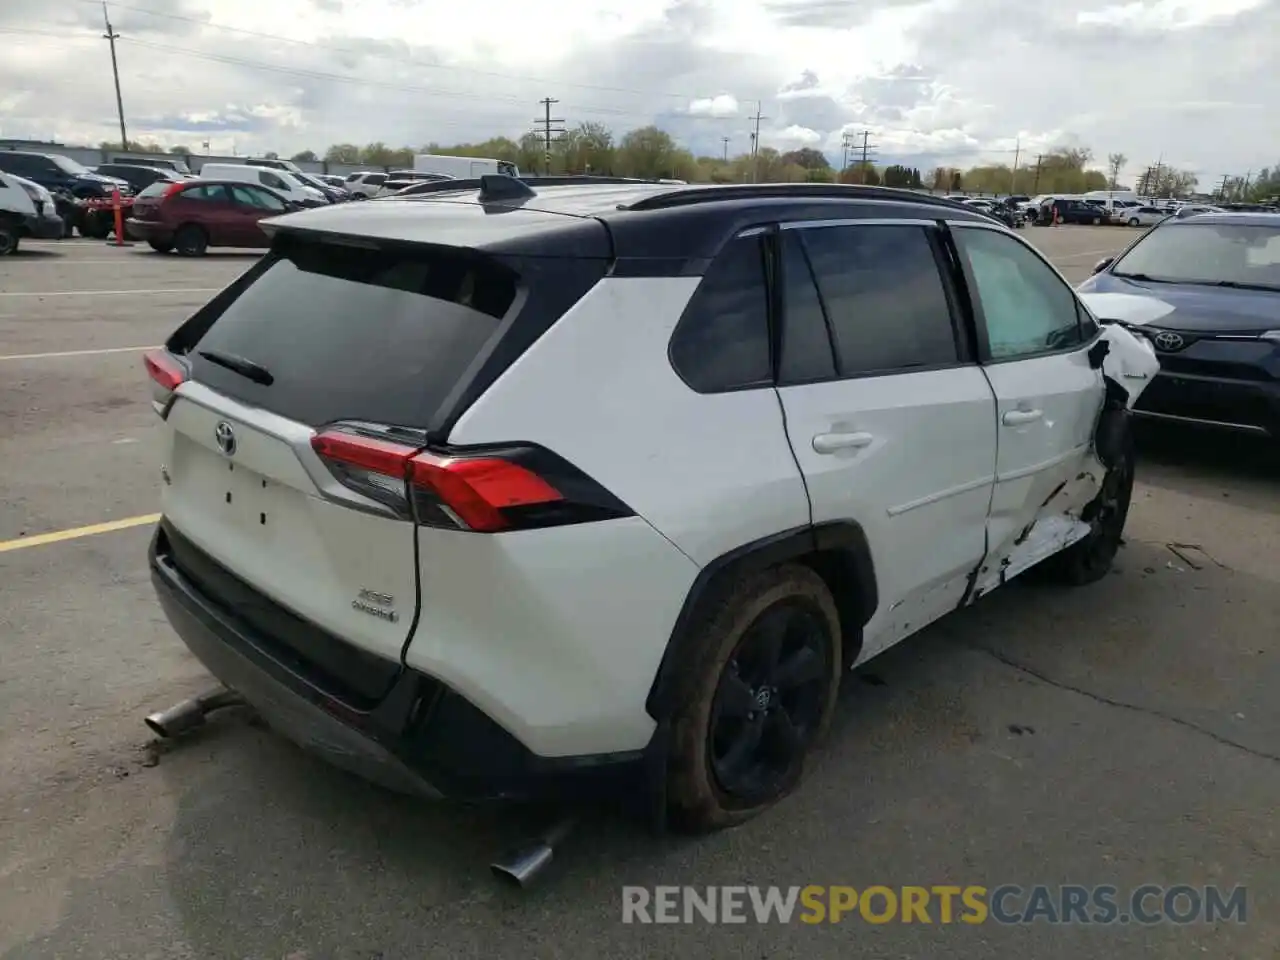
[[1115, 163]]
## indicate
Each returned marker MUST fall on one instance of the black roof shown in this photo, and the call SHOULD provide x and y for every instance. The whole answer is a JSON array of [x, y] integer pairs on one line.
[[683, 226]]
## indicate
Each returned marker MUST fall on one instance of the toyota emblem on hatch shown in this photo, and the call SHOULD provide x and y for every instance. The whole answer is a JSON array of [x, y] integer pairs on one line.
[[1168, 341], [225, 437]]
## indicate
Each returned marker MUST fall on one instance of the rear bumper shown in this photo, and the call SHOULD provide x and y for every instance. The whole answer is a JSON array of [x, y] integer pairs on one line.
[[421, 737], [1243, 405], [147, 231]]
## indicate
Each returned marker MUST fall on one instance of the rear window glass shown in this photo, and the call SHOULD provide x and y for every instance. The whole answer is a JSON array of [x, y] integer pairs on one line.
[[353, 334], [156, 189]]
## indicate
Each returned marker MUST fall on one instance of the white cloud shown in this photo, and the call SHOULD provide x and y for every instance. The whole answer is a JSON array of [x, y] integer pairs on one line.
[[957, 81], [1166, 14], [794, 136], [724, 105]]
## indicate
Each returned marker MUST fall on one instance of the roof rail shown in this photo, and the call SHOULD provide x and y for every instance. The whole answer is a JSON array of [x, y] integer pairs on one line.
[[709, 193], [426, 187]]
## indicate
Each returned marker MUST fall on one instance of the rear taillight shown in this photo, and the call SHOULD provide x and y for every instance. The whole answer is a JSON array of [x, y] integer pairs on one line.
[[167, 373], [512, 489], [172, 189]]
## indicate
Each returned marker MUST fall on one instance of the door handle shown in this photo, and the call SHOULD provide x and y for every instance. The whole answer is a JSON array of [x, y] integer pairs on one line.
[[833, 442], [1016, 418]]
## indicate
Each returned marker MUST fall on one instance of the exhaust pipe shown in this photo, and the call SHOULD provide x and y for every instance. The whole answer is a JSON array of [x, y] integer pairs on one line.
[[189, 714], [522, 867]]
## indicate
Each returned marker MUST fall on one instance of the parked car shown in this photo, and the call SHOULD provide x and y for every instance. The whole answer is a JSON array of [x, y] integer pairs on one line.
[[1144, 216], [193, 215], [334, 181], [1002, 210], [26, 210], [56, 172], [165, 162], [327, 190], [1205, 290], [137, 176], [280, 182], [400, 519], [365, 185], [1072, 210]]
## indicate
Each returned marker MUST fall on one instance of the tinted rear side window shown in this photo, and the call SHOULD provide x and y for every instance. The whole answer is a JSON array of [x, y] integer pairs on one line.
[[884, 297], [806, 345], [722, 340], [157, 189], [354, 334]]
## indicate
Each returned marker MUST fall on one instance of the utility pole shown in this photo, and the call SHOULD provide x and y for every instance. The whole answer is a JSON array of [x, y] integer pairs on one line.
[[111, 37], [847, 142], [1013, 177], [725, 141], [866, 148], [1222, 187], [755, 143], [1035, 185], [547, 123]]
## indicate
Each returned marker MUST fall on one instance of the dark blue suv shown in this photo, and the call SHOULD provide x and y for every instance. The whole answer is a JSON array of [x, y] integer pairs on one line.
[[1205, 290], [57, 173]]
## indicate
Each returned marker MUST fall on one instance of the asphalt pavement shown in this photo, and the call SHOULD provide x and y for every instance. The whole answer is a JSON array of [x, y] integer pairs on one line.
[[1122, 734]]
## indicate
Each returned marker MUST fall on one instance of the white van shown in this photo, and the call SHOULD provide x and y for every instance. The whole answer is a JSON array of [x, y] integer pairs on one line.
[[462, 168], [281, 181]]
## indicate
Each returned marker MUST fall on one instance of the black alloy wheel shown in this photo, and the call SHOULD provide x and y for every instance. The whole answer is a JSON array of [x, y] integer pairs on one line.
[[770, 702]]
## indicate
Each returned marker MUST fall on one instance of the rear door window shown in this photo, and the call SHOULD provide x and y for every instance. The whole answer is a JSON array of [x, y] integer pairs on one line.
[[354, 334], [884, 296]]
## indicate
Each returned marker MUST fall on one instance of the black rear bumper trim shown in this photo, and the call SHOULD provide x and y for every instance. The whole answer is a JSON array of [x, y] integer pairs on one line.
[[421, 738]]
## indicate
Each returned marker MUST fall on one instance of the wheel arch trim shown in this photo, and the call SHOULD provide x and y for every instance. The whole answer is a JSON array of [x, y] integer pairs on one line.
[[844, 542]]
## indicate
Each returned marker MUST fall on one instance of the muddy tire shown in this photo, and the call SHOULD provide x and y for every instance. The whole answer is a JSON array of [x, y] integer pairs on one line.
[[755, 697]]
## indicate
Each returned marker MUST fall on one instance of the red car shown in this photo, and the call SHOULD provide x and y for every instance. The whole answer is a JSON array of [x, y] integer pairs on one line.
[[193, 215]]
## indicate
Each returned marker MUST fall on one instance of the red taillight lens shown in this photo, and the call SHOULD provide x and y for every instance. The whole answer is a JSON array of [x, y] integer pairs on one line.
[[476, 491], [172, 189], [167, 372], [467, 492]]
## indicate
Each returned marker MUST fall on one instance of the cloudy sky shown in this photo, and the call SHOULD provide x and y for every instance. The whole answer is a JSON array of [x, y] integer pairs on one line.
[[1193, 82]]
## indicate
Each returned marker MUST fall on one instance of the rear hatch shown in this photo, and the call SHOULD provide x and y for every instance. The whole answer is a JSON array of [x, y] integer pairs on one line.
[[289, 394], [146, 205]]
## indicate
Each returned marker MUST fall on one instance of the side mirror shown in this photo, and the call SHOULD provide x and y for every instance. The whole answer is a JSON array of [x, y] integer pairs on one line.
[[1103, 264]]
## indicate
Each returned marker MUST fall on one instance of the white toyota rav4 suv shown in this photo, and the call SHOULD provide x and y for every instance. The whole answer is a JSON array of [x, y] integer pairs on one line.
[[601, 488]]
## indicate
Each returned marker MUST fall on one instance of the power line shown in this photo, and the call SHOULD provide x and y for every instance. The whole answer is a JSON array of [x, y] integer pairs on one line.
[[111, 37], [390, 57]]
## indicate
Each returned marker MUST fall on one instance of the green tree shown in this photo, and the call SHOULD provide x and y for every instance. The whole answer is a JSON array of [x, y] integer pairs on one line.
[[343, 153], [647, 152], [181, 150], [808, 158], [304, 156]]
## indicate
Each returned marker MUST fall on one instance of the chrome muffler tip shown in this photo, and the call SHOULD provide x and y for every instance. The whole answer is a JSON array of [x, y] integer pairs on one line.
[[186, 716]]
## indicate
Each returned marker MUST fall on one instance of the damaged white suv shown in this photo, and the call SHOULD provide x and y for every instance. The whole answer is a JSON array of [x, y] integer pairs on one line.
[[601, 488]]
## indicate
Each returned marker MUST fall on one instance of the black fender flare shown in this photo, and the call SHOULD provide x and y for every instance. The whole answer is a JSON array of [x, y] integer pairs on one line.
[[840, 552]]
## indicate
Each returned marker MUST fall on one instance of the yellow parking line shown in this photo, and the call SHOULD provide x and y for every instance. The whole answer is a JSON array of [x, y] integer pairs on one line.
[[76, 533]]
